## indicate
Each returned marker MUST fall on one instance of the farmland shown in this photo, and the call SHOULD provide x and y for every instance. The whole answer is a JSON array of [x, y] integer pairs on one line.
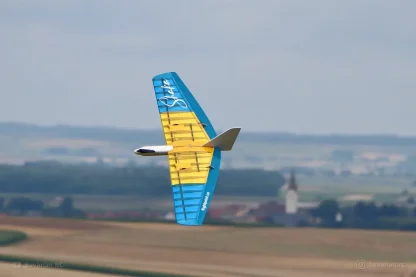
[[359, 154], [212, 250], [307, 193]]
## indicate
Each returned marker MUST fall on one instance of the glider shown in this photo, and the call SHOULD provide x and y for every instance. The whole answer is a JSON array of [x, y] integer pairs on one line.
[[192, 146]]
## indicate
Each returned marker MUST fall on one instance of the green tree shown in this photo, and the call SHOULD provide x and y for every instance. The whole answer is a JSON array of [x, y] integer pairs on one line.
[[327, 211], [24, 205], [150, 181], [67, 206]]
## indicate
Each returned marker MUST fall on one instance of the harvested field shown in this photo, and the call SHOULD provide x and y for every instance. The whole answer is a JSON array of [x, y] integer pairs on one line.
[[46, 223], [48, 227], [217, 251]]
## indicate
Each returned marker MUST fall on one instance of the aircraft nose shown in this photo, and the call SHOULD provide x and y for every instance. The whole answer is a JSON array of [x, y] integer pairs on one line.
[[141, 151]]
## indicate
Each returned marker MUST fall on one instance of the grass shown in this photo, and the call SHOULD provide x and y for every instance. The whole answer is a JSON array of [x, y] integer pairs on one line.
[[19, 260], [8, 237]]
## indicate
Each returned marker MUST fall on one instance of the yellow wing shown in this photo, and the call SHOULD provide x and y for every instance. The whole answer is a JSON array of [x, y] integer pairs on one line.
[[188, 161]]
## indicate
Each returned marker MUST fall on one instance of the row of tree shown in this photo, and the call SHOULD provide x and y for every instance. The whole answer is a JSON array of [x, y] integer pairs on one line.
[[366, 215], [25, 205], [54, 177]]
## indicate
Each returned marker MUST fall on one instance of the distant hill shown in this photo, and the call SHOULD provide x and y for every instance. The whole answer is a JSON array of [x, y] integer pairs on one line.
[[132, 135], [21, 142]]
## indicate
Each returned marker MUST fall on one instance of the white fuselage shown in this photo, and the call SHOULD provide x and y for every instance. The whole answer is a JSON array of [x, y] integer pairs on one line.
[[153, 150]]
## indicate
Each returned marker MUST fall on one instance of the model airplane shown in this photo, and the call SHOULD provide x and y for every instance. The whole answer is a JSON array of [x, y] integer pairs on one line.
[[192, 146]]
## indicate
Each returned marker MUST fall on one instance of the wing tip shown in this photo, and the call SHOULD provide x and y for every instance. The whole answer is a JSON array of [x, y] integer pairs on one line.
[[164, 75]]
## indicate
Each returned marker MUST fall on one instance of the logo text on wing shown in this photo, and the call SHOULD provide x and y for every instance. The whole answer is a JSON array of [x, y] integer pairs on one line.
[[204, 205], [164, 100]]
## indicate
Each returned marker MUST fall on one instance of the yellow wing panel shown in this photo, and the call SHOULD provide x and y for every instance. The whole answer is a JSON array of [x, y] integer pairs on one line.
[[179, 126], [189, 162]]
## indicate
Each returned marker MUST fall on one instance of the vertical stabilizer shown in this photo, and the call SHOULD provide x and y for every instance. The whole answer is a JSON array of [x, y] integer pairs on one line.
[[225, 141]]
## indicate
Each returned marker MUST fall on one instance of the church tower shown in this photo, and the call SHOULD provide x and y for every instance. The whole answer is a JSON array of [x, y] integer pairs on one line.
[[292, 195]]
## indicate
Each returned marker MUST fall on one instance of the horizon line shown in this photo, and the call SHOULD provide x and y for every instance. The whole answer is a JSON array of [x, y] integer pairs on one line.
[[56, 125]]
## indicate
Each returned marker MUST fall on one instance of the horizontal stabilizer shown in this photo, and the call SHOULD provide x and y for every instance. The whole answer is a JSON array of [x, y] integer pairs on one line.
[[224, 141]]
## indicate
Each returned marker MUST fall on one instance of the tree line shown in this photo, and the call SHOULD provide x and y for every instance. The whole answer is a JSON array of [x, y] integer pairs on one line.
[[366, 215], [25, 205], [55, 177]]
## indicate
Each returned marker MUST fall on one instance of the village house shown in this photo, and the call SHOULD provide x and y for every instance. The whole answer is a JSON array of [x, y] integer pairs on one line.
[[289, 212]]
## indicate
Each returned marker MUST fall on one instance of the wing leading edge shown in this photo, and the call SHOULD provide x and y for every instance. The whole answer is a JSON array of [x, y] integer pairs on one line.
[[194, 169]]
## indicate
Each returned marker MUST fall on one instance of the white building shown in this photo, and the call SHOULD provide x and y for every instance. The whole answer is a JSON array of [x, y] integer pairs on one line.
[[291, 203]]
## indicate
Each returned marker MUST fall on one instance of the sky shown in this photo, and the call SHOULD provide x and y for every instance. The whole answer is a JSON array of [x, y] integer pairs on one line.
[[318, 67]]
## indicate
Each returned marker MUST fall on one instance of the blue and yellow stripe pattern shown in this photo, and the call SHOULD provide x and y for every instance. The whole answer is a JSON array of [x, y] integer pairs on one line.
[[193, 169]]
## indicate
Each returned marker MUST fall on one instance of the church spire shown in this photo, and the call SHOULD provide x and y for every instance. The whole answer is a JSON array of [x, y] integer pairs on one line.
[[292, 182]]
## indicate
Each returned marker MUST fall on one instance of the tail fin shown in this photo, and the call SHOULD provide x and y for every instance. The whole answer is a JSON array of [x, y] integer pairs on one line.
[[224, 141]]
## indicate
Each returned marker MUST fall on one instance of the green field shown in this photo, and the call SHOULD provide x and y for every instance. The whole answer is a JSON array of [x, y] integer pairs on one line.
[[8, 237]]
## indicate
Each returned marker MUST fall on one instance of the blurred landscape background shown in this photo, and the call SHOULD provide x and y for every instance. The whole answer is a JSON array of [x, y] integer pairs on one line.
[[353, 201]]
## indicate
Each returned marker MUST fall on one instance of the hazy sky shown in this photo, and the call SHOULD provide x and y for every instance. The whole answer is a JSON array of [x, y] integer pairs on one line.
[[321, 66]]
